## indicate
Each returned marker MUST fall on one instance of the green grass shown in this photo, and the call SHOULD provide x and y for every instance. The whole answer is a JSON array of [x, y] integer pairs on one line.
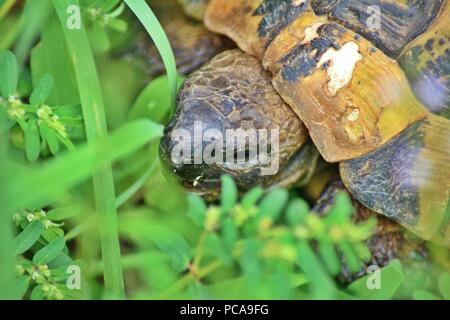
[[156, 32]]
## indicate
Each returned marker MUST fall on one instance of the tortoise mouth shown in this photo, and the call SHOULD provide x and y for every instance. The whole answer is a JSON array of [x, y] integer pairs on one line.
[[208, 188]]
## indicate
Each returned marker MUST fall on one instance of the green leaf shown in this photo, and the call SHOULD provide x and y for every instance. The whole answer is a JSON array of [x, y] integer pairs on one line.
[[329, 257], [62, 260], [391, 278], [322, 285], [196, 209], [444, 285], [42, 90], [28, 237], [52, 233], [342, 209], [49, 135], [32, 141], [8, 74], [252, 197], [362, 251], [272, 204], [154, 101], [156, 32], [63, 213], [228, 194], [351, 258], [229, 233], [297, 211], [49, 252]]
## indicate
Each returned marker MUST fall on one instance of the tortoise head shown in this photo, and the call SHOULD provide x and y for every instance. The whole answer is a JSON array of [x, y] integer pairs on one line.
[[230, 120]]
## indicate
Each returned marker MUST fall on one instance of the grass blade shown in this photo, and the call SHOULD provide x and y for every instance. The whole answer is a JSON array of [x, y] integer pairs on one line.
[[95, 124], [7, 259], [141, 9]]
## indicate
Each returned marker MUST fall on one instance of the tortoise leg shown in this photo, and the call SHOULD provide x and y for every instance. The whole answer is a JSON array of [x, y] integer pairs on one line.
[[300, 168], [408, 179]]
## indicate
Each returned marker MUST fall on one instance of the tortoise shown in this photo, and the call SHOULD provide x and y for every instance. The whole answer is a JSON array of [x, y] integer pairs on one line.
[[373, 97]]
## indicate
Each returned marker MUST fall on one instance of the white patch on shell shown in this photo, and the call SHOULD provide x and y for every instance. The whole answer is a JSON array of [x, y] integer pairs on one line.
[[353, 116], [342, 65], [311, 33]]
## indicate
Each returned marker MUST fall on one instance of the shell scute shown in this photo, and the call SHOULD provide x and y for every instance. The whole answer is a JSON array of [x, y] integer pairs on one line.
[[389, 24]]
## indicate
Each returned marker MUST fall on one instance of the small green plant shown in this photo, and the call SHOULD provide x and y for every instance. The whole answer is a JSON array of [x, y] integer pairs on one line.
[[42, 257], [43, 127], [270, 246]]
